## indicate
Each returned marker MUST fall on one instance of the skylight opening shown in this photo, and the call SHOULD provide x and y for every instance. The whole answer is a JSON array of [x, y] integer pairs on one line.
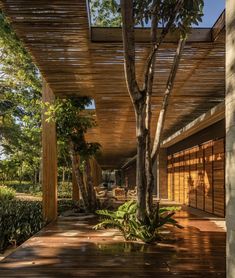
[[91, 106], [212, 11]]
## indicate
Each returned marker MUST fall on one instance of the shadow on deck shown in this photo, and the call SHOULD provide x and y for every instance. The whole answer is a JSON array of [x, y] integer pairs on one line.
[[70, 248]]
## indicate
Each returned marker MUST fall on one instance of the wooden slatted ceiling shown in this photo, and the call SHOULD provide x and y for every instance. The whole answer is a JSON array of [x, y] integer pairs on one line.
[[57, 35]]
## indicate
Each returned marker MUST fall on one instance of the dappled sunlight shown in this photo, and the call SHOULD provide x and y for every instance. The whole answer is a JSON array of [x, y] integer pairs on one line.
[[196, 177], [88, 253]]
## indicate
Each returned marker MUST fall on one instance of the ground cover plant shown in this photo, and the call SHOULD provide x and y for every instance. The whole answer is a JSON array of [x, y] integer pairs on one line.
[[125, 220]]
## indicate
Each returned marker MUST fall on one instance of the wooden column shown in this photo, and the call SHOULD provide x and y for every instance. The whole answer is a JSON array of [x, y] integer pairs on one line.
[[75, 191], [49, 160], [230, 136]]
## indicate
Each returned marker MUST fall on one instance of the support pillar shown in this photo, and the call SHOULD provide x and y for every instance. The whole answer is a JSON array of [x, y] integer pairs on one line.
[[49, 160], [230, 136]]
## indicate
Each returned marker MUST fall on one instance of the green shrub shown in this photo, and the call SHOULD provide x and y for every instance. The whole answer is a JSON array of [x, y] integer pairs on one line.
[[18, 221], [6, 193], [64, 205], [126, 221], [64, 189]]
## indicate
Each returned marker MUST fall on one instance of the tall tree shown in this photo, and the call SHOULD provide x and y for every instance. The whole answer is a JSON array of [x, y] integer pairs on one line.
[[72, 124], [169, 15], [20, 87]]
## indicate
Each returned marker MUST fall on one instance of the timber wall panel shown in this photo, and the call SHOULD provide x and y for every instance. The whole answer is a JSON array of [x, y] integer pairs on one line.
[[170, 177], [193, 177], [200, 179], [218, 177], [208, 177], [196, 177]]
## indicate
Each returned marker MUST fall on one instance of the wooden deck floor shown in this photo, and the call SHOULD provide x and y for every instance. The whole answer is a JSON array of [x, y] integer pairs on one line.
[[69, 248]]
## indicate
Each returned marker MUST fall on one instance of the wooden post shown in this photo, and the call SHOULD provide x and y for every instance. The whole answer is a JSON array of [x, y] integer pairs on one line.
[[49, 160], [75, 192], [230, 136]]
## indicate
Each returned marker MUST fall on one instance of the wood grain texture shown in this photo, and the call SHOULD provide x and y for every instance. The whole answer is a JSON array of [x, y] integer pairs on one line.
[[196, 177], [70, 248], [49, 160], [58, 37]]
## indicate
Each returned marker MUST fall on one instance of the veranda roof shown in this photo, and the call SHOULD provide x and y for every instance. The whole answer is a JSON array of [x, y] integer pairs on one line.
[[77, 59]]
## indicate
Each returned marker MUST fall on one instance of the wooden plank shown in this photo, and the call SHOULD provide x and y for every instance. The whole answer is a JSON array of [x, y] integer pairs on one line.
[[208, 151], [49, 160], [71, 248], [111, 35], [219, 177], [218, 29], [193, 178], [200, 190]]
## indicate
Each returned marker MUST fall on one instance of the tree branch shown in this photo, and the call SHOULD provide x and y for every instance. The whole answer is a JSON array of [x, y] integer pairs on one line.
[[169, 87], [156, 45], [129, 49]]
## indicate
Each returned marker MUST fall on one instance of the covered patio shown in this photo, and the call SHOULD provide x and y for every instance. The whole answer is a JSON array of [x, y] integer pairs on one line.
[[78, 59], [70, 248]]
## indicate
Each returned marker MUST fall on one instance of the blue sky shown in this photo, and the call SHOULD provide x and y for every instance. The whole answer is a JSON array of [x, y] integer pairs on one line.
[[212, 10]]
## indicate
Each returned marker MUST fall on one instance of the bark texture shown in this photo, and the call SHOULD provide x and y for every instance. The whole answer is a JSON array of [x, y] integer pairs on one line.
[[141, 98]]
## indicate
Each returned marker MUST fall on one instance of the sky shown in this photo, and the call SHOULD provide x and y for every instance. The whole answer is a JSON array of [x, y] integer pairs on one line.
[[212, 10]]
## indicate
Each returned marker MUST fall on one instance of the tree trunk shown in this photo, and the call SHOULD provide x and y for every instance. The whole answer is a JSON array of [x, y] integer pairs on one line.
[[79, 176], [149, 88], [169, 87], [140, 165], [90, 187]]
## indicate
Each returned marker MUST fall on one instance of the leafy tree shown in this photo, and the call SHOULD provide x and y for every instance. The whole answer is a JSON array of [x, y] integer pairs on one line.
[[72, 124], [20, 112], [170, 15]]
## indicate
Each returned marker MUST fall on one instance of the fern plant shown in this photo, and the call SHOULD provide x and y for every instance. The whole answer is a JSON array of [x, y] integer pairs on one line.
[[125, 220]]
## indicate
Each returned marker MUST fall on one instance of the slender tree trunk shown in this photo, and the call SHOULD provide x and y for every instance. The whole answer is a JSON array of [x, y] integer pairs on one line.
[[149, 88], [79, 176], [169, 87], [90, 187], [140, 165]]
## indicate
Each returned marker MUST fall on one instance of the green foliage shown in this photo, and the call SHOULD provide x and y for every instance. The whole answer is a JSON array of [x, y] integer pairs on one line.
[[107, 13], [104, 13], [6, 193], [64, 205], [20, 116], [18, 221], [124, 219], [72, 123], [64, 188]]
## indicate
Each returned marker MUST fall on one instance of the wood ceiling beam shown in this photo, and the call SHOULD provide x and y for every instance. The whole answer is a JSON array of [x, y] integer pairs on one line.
[[107, 34]]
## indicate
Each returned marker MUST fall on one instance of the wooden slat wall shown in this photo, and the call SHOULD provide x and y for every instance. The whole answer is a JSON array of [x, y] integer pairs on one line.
[[196, 177], [218, 177], [208, 177]]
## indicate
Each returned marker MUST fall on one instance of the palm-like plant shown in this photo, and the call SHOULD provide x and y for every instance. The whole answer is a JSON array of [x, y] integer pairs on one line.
[[124, 219]]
